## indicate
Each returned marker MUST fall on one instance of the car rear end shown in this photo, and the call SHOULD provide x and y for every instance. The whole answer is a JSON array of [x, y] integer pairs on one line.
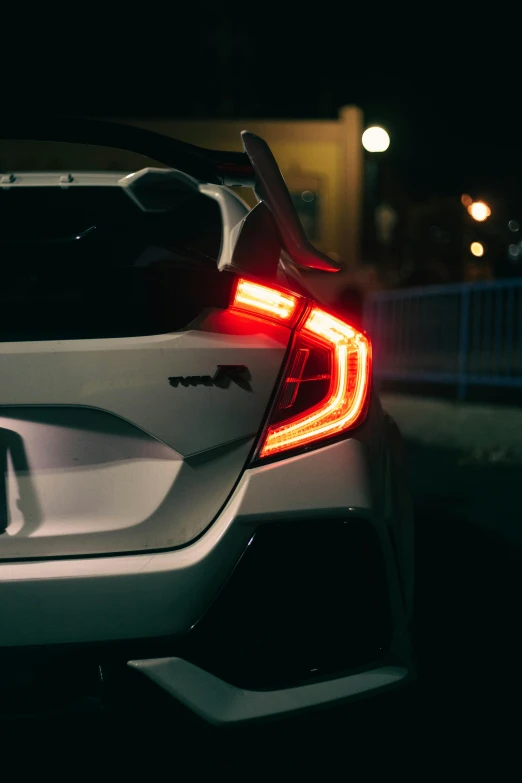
[[197, 477]]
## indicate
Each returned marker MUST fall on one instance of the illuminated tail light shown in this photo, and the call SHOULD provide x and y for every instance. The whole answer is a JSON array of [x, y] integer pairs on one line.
[[325, 391], [262, 300], [325, 388]]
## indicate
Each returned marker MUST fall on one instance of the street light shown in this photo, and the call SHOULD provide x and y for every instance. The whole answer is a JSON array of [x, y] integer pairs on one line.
[[477, 248], [479, 211], [375, 139]]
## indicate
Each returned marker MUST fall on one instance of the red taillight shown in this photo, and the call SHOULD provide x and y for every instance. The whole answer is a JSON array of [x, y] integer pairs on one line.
[[343, 371], [262, 300], [325, 388]]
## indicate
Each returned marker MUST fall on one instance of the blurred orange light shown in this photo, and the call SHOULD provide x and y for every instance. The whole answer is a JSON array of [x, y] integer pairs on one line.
[[479, 211], [477, 248], [466, 199]]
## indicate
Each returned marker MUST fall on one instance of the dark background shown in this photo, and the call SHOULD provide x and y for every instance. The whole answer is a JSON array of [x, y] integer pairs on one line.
[[445, 85], [444, 81]]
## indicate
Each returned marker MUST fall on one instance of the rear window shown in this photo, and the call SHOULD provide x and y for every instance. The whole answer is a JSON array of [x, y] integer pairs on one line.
[[84, 262]]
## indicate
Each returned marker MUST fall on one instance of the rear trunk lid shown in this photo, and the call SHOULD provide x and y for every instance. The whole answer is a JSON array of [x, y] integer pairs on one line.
[[130, 396]]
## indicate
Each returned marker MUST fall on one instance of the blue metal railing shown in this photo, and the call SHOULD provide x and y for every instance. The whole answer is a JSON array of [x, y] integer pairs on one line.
[[463, 334]]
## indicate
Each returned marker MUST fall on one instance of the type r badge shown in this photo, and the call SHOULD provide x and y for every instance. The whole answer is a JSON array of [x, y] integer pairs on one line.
[[223, 377]]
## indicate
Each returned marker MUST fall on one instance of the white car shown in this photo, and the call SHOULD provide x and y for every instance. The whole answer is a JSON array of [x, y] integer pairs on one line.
[[201, 487]]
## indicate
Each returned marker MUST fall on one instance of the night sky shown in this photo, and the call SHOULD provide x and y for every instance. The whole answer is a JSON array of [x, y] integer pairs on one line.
[[447, 87], [451, 109]]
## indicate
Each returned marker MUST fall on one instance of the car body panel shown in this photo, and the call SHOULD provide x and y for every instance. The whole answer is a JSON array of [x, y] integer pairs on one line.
[[102, 454], [165, 593]]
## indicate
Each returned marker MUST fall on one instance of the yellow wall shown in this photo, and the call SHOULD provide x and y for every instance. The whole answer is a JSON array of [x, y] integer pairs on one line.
[[307, 151]]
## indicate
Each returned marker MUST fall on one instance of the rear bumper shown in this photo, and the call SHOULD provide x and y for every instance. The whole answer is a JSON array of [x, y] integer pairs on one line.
[[310, 613], [223, 704], [174, 689], [278, 639], [305, 620]]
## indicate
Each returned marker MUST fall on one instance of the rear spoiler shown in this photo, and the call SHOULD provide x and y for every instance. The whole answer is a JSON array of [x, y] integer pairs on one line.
[[255, 167]]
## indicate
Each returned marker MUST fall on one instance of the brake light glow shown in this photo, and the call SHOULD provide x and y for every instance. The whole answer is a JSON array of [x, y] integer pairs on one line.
[[346, 353], [262, 300], [326, 384]]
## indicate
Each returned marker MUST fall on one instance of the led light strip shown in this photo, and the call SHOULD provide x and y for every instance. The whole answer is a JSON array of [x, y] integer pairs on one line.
[[339, 410], [345, 403], [261, 299]]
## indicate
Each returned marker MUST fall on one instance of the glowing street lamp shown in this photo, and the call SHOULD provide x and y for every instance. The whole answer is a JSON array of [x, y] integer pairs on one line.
[[375, 139], [477, 248], [479, 211]]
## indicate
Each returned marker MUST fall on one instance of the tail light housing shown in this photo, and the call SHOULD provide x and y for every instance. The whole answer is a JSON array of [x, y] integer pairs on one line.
[[325, 387]]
